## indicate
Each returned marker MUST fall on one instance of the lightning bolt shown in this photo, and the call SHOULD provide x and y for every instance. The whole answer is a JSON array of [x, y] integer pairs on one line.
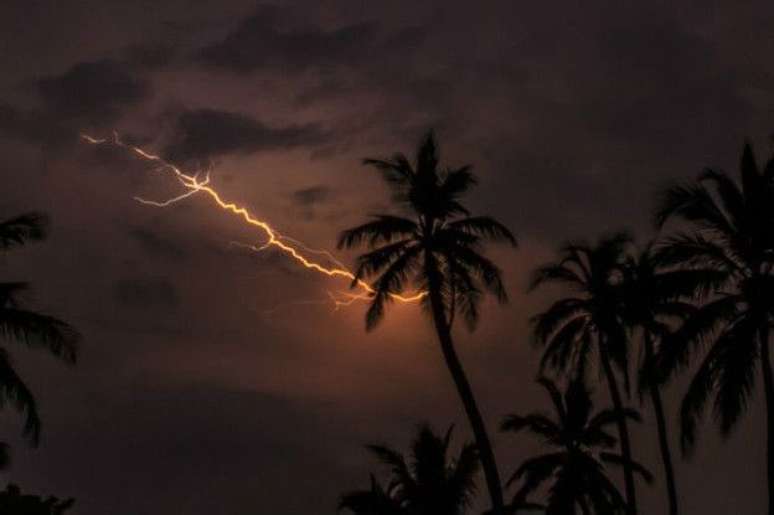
[[294, 249]]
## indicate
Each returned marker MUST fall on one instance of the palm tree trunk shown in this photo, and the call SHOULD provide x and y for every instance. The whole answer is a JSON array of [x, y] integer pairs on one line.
[[623, 431], [768, 387], [663, 439], [583, 506], [465, 392]]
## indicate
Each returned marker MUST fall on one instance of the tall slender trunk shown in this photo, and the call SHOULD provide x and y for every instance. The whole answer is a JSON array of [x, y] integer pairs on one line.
[[768, 387], [465, 392], [584, 506], [663, 439], [623, 430]]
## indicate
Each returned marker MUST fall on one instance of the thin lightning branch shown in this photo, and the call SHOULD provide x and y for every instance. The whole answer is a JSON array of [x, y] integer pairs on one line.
[[293, 248]]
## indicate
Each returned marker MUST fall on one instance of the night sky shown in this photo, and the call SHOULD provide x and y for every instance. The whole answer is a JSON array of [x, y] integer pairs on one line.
[[215, 380]]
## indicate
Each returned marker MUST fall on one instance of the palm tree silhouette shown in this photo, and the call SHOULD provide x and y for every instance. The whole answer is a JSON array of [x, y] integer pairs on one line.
[[581, 446], [438, 248], [32, 329], [12, 501], [430, 482], [733, 238], [591, 319], [655, 301]]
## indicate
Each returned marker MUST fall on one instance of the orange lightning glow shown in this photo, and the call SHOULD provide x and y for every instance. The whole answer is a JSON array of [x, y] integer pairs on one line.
[[296, 250]]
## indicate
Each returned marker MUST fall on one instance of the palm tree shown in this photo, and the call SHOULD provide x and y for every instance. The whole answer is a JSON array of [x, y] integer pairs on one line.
[[431, 482], [575, 468], [655, 301], [732, 236], [438, 248], [30, 328], [590, 319]]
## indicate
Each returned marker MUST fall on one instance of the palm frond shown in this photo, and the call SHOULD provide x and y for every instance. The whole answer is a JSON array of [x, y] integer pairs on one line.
[[462, 482], [556, 273], [484, 226], [375, 501], [556, 397], [679, 346], [561, 346], [397, 172], [382, 229], [373, 262], [395, 461], [736, 367], [545, 324], [617, 459], [535, 422], [427, 156], [697, 251], [696, 397], [693, 203], [732, 198], [391, 282], [537, 470], [13, 389], [23, 228], [608, 417], [459, 181], [464, 295], [39, 331], [489, 273]]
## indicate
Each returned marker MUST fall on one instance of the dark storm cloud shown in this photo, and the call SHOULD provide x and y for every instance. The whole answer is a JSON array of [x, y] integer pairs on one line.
[[259, 42], [311, 196], [156, 245], [32, 126], [206, 133], [95, 92], [166, 425], [662, 77], [149, 55], [145, 292], [88, 93]]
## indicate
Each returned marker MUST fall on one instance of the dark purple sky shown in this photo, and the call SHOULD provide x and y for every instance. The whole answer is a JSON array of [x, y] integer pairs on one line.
[[213, 380]]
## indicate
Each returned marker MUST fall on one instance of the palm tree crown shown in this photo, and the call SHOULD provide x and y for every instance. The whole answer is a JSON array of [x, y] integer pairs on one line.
[[733, 239], [581, 444], [590, 320], [440, 243], [429, 482], [30, 328], [733, 246], [571, 327]]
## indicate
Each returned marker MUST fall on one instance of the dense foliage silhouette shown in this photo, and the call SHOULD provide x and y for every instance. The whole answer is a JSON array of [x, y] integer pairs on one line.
[[726, 232], [590, 321], [656, 300], [430, 481], [581, 449], [13, 502]]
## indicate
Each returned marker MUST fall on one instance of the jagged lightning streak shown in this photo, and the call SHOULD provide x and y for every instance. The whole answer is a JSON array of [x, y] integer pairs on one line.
[[293, 248]]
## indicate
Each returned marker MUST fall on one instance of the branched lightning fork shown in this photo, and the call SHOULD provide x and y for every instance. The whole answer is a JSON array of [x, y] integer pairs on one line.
[[293, 248]]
